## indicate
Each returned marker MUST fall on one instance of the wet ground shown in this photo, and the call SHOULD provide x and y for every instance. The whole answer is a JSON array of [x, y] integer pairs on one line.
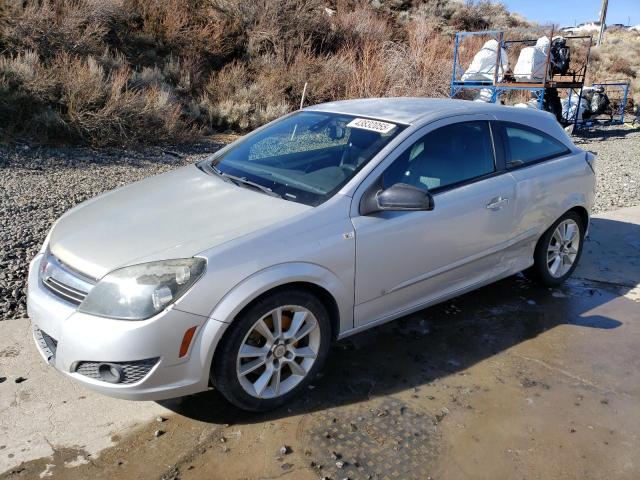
[[510, 381]]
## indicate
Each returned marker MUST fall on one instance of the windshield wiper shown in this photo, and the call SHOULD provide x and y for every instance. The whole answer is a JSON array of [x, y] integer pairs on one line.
[[240, 180], [248, 183]]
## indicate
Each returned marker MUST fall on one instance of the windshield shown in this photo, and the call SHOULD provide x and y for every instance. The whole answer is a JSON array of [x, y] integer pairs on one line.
[[305, 157]]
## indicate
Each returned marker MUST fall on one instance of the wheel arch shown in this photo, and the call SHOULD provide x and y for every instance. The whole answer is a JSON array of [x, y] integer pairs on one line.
[[582, 213], [322, 293], [580, 210], [337, 298]]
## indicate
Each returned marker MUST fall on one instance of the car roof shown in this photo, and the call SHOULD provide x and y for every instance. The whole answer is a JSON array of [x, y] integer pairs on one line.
[[411, 110]]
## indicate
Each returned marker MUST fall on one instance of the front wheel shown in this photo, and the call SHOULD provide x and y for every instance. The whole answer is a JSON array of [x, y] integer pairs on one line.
[[558, 251], [273, 350]]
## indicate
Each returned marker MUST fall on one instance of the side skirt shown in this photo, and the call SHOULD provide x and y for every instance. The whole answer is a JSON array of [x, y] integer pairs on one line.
[[429, 303]]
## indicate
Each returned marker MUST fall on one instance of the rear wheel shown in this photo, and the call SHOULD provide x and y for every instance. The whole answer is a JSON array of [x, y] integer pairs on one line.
[[273, 350], [558, 251]]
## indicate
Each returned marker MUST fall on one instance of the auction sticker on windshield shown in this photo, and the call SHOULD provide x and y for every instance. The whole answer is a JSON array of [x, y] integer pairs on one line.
[[373, 125]]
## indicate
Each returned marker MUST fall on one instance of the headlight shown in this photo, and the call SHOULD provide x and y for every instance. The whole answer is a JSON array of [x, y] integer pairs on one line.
[[141, 291]]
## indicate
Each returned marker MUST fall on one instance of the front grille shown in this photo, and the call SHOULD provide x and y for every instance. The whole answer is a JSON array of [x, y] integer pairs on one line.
[[133, 371], [65, 292], [65, 282]]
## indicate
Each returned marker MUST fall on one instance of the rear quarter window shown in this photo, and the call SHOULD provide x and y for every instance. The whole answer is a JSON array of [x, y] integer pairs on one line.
[[526, 145]]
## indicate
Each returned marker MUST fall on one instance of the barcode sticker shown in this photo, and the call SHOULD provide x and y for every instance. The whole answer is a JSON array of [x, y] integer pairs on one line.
[[373, 125]]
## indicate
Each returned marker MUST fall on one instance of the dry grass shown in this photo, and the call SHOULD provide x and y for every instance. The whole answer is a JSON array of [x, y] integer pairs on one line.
[[139, 71]]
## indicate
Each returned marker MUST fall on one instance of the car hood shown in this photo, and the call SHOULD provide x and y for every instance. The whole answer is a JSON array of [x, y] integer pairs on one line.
[[174, 215]]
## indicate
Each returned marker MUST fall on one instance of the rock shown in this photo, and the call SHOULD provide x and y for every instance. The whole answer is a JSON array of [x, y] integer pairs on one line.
[[340, 464], [160, 419], [20, 380], [285, 450], [158, 433]]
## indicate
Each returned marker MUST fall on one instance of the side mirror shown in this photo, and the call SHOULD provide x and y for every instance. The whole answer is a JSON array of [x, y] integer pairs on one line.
[[398, 197]]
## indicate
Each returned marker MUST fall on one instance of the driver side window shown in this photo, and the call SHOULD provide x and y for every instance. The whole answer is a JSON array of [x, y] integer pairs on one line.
[[446, 156]]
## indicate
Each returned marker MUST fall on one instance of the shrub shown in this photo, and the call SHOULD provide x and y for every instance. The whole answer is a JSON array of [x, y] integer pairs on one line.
[[75, 98], [623, 66], [137, 71]]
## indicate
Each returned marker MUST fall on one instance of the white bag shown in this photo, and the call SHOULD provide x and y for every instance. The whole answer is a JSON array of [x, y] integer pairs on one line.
[[569, 108], [484, 95], [531, 62], [483, 66], [533, 103]]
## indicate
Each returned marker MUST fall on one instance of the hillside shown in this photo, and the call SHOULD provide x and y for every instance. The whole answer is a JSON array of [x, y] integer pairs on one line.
[[126, 72]]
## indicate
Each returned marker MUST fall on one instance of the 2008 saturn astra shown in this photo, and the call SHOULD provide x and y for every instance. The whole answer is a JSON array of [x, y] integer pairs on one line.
[[237, 272]]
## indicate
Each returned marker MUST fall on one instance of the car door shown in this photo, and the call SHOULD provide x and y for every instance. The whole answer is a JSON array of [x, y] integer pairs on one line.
[[406, 259], [548, 181]]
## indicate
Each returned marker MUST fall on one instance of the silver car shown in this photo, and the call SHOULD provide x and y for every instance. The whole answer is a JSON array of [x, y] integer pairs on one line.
[[237, 273]]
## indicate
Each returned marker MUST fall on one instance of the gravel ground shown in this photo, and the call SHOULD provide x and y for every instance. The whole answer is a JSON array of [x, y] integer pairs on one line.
[[617, 167], [37, 185]]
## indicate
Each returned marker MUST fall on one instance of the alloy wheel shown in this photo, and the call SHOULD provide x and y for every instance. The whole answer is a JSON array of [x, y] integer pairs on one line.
[[563, 248], [278, 351]]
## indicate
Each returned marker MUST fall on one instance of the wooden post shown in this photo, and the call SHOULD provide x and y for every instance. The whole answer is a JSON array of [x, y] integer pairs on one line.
[[603, 19], [304, 93]]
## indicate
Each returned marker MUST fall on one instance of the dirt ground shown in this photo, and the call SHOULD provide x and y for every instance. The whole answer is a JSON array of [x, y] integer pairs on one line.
[[511, 381]]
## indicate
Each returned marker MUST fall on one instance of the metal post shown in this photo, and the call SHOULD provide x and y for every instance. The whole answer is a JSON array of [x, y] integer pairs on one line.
[[452, 93], [603, 19], [498, 60], [540, 95], [547, 69], [495, 94], [624, 102], [575, 121]]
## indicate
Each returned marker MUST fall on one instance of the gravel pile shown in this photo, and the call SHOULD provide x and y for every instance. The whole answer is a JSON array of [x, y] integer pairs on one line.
[[39, 185]]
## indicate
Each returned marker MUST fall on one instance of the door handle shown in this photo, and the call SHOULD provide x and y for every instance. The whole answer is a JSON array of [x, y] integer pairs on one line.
[[497, 203]]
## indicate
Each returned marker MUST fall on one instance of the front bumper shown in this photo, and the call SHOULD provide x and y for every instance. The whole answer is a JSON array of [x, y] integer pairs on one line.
[[78, 340]]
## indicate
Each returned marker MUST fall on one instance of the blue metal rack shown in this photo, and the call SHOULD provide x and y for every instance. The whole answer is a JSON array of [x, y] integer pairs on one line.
[[616, 116], [499, 87], [456, 82]]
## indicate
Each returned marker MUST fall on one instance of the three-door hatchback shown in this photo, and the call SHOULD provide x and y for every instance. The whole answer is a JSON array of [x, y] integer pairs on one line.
[[239, 271]]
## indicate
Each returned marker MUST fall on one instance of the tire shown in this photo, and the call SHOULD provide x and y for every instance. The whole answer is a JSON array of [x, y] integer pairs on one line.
[[241, 380], [542, 270]]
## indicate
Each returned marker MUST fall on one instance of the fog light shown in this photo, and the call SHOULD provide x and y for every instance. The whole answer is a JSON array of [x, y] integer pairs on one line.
[[110, 372]]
